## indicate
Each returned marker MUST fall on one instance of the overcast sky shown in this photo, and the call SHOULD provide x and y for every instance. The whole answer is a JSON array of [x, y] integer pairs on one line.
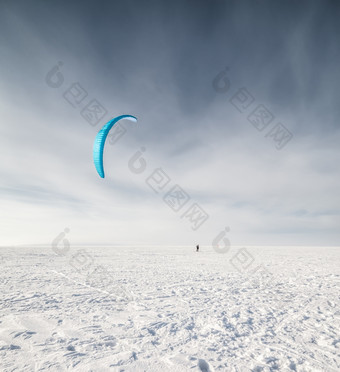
[[165, 63]]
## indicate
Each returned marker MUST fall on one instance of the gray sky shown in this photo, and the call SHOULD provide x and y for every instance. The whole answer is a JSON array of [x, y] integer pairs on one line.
[[158, 61]]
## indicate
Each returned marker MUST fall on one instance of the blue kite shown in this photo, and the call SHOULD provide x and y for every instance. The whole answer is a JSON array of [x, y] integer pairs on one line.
[[99, 142]]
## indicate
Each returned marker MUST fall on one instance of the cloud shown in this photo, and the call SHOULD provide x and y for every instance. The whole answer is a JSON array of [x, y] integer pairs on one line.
[[158, 63]]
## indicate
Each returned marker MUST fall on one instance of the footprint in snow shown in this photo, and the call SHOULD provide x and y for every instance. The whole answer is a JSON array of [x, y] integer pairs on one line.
[[204, 366]]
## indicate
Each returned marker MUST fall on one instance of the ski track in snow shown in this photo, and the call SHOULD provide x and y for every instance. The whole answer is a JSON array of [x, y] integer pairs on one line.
[[169, 309]]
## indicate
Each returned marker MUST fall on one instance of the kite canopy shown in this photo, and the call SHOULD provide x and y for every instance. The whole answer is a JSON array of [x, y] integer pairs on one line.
[[99, 142]]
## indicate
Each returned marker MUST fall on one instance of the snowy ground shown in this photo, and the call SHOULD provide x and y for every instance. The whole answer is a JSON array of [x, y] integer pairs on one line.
[[169, 309]]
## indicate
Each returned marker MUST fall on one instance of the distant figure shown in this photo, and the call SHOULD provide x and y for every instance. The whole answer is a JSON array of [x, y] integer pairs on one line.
[[197, 248]]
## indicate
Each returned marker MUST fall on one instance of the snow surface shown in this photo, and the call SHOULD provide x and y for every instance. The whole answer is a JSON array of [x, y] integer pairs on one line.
[[169, 309]]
